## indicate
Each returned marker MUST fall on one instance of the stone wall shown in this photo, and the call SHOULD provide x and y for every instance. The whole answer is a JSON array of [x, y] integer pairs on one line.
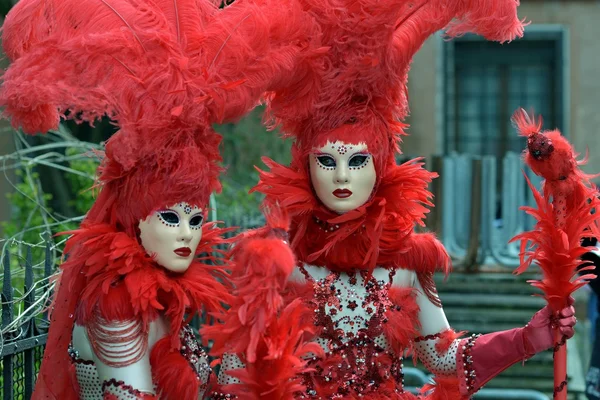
[[581, 19]]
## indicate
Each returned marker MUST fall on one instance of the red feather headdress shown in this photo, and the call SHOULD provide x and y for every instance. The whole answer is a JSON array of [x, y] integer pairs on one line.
[[164, 71], [356, 92]]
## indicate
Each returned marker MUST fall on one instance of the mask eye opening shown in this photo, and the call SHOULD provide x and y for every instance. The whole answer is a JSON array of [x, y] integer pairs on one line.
[[196, 221], [358, 160], [169, 217], [326, 161]]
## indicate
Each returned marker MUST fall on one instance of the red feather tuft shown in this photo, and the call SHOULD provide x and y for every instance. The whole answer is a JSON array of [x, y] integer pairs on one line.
[[525, 124], [262, 267], [402, 319], [556, 250], [172, 372], [444, 388], [282, 358], [446, 339]]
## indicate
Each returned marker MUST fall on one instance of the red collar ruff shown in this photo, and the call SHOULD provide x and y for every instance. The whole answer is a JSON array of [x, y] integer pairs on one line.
[[380, 233], [108, 271]]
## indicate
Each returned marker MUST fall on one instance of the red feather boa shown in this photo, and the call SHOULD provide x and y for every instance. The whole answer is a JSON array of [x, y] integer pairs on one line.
[[267, 331], [106, 270], [380, 233]]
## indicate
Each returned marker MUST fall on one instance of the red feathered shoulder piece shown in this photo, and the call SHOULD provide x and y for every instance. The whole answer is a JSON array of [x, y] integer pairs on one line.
[[109, 274], [380, 233]]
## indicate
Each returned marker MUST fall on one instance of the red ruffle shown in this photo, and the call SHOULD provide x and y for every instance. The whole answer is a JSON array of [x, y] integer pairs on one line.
[[380, 233], [109, 272]]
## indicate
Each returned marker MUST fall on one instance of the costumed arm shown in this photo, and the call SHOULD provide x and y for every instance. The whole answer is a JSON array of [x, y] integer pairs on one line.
[[463, 366], [120, 351]]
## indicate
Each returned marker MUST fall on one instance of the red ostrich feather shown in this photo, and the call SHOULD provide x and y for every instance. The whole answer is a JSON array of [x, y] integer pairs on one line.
[[557, 251]]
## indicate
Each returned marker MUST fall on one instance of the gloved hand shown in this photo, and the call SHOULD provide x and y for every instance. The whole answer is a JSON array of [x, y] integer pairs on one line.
[[538, 333], [482, 357]]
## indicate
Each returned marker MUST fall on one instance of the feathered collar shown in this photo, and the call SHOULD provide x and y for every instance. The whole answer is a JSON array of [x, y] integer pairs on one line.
[[122, 281], [375, 234], [109, 269]]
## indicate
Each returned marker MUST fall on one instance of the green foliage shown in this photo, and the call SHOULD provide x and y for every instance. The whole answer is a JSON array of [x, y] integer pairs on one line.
[[31, 215], [29, 208], [244, 143], [81, 185]]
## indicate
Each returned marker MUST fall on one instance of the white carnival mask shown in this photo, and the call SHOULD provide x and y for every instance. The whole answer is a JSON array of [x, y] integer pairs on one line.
[[171, 235], [343, 175]]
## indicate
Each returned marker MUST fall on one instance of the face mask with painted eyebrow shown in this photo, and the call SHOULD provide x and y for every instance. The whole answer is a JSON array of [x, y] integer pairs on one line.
[[171, 235], [343, 175]]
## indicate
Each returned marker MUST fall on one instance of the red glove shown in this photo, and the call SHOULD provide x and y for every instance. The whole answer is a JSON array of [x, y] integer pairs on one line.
[[482, 357]]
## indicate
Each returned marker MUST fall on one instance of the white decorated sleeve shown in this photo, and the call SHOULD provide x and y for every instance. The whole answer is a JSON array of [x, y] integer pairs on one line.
[[433, 323], [228, 363], [124, 365]]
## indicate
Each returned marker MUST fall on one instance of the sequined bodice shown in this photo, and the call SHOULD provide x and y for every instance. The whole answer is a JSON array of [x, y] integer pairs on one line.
[[90, 387], [351, 311]]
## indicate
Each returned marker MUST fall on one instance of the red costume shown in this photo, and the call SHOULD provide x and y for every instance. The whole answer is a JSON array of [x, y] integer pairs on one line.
[[164, 71], [337, 324]]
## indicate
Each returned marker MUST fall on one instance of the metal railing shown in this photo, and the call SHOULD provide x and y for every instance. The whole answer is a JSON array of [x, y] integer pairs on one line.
[[23, 340]]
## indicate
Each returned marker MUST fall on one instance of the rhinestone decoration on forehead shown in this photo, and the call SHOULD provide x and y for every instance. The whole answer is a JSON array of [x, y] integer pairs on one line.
[[187, 208]]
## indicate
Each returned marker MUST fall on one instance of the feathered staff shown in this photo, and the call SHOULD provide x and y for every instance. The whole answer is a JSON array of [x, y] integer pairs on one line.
[[564, 216]]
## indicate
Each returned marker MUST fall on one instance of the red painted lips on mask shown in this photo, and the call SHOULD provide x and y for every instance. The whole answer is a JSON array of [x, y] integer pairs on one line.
[[183, 251], [342, 193]]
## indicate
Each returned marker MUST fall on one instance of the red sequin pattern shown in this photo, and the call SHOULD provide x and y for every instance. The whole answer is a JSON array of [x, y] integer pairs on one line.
[[351, 310]]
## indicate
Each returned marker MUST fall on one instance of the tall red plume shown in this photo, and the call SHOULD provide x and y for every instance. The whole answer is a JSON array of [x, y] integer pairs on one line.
[[370, 44]]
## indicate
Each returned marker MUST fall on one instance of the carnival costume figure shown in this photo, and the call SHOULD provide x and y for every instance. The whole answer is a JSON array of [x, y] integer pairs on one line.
[[334, 319], [136, 269]]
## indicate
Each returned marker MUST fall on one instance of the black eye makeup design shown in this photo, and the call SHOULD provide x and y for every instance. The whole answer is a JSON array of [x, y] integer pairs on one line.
[[326, 161], [358, 160], [196, 221], [169, 217]]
